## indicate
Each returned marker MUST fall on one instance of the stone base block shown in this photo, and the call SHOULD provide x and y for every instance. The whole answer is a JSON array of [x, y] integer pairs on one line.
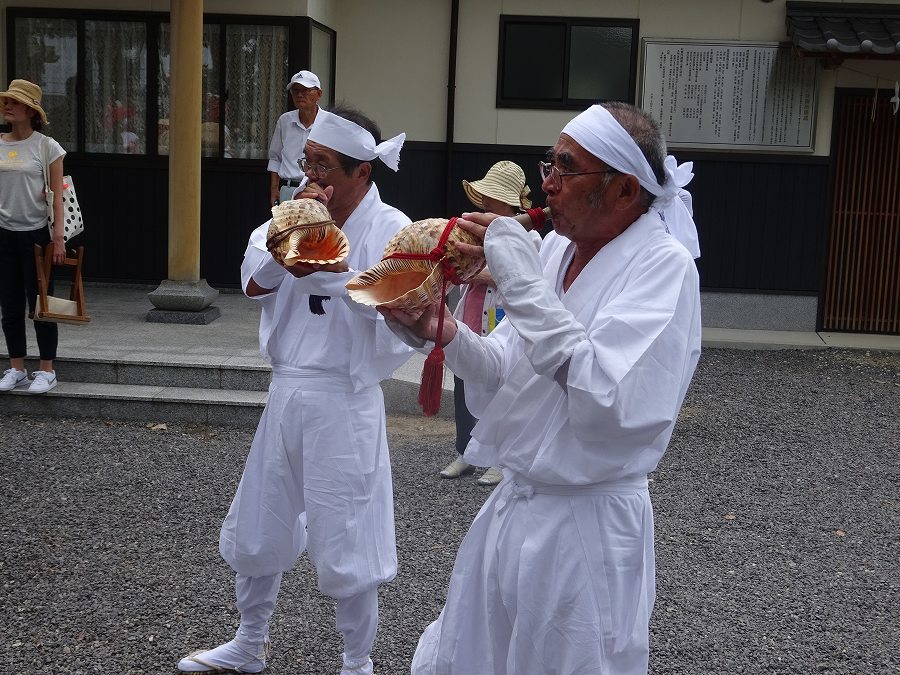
[[201, 318], [183, 296]]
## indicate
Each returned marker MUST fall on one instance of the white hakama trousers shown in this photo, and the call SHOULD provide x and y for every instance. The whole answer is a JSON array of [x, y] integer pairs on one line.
[[317, 478], [549, 579]]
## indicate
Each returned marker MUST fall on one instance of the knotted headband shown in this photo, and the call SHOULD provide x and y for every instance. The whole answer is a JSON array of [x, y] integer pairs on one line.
[[349, 138], [598, 132]]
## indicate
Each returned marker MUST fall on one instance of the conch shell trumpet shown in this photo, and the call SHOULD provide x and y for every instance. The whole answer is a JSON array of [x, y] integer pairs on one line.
[[302, 231], [414, 283]]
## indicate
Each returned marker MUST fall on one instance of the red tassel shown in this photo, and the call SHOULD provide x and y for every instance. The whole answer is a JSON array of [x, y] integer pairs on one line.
[[432, 383]]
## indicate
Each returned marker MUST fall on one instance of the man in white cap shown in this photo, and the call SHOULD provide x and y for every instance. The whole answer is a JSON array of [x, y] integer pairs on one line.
[[577, 392], [318, 475], [291, 131]]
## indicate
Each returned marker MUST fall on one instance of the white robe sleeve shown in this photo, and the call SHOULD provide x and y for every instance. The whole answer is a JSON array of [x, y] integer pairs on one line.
[[259, 265], [549, 330], [479, 362]]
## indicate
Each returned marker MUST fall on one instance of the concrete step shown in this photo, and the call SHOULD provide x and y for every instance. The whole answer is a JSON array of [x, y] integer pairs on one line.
[[141, 403], [165, 370], [211, 390]]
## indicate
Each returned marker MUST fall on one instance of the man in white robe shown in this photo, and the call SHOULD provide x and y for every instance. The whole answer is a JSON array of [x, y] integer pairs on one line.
[[577, 392], [318, 475]]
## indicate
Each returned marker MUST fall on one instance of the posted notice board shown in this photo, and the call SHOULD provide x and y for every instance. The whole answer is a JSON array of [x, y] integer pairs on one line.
[[730, 95]]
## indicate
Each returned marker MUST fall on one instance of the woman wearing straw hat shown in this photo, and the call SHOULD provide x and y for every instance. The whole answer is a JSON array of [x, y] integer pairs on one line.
[[502, 191], [23, 223]]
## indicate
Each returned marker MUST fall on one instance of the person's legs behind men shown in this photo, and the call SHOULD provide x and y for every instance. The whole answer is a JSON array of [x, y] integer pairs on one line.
[[465, 422]]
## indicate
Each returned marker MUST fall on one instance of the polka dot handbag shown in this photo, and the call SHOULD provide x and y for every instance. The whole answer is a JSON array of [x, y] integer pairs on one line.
[[72, 221], [74, 225]]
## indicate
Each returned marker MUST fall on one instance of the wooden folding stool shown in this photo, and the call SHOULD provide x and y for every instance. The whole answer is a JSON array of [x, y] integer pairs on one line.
[[51, 308]]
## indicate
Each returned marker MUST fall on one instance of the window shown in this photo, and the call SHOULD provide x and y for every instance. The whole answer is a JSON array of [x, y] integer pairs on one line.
[[46, 53], [565, 63], [106, 77], [115, 86]]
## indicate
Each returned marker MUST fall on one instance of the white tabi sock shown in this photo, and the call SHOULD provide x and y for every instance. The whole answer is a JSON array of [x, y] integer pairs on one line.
[[357, 621]]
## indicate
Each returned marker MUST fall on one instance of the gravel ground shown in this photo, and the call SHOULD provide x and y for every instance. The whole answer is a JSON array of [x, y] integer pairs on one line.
[[776, 509]]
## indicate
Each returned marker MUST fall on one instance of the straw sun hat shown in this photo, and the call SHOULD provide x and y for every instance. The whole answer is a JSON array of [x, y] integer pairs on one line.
[[25, 92], [505, 182]]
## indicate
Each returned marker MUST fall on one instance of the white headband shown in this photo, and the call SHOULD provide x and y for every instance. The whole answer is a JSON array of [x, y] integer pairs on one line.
[[598, 132], [349, 138]]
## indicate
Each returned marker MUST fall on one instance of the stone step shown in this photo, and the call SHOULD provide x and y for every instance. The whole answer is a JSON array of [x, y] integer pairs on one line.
[[141, 403], [211, 390], [165, 370]]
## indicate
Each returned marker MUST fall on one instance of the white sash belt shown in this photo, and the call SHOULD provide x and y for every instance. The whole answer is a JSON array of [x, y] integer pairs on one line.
[[315, 380], [519, 487]]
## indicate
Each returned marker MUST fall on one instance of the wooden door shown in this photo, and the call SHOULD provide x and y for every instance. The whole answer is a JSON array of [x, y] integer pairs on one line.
[[862, 285]]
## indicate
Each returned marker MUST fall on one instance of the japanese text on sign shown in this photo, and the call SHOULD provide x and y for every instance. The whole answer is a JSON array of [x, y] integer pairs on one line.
[[730, 94]]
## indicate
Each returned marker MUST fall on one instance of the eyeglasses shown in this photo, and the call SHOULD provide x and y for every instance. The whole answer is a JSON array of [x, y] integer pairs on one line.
[[550, 170], [318, 170]]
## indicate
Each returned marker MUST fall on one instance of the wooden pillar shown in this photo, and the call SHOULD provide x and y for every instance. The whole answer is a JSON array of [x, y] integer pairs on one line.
[[185, 105], [184, 297]]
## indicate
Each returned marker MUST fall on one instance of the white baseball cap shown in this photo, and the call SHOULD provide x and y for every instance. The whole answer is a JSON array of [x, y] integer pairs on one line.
[[306, 78]]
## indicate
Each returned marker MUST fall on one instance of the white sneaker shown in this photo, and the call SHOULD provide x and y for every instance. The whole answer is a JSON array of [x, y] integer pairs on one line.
[[42, 382], [241, 657], [491, 477], [367, 668], [456, 468], [13, 378]]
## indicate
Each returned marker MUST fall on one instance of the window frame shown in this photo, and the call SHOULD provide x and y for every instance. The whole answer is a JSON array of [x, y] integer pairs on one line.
[[565, 103], [299, 54]]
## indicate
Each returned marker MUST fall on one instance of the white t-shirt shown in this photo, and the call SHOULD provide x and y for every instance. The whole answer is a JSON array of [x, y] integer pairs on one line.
[[287, 145], [22, 205]]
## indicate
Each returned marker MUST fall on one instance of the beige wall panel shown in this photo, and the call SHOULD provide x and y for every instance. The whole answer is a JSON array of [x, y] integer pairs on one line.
[[763, 21], [323, 11], [615, 9], [531, 127], [392, 64], [476, 72], [691, 19]]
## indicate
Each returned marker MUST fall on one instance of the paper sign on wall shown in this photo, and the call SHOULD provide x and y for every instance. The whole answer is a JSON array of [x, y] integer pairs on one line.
[[730, 95]]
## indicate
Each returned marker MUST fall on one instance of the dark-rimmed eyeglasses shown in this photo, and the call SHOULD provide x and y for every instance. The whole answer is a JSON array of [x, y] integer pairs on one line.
[[550, 170], [317, 170]]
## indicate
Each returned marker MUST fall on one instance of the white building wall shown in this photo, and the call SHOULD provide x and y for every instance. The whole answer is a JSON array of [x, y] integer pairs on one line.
[[392, 55], [417, 59]]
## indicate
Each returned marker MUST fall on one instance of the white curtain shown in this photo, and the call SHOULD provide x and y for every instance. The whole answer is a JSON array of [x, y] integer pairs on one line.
[[256, 74], [115, 86]]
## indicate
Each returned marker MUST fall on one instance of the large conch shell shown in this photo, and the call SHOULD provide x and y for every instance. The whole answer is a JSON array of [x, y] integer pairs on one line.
[[413, 285], [303, 231]]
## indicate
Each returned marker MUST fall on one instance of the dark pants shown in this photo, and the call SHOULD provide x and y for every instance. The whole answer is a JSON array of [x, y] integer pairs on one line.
[[18, 285], [465, 422]]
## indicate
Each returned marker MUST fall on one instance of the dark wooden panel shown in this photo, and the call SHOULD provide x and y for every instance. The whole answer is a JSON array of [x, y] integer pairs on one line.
[[417, 188], [762, 219], [862, 292], [125, 220], [234, 203]]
